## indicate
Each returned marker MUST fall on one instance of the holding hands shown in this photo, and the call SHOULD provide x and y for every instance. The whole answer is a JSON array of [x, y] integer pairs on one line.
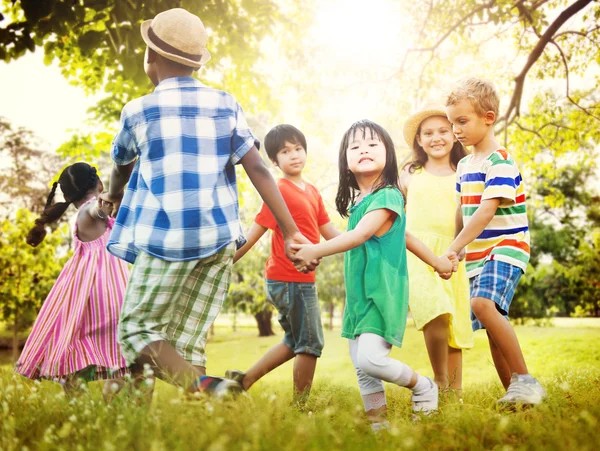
[[298, 250], [447, 264]]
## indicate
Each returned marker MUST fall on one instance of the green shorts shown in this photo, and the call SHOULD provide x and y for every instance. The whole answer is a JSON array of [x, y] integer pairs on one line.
[[175, 302]]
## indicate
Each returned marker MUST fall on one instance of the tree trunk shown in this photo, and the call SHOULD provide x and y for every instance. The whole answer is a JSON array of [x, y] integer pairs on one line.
[[212, 330], [331, 309], [15, 338], [263, 321], [234, 321]]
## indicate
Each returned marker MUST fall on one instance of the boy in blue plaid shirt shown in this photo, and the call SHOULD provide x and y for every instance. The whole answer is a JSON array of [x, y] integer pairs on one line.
[[178, 219]]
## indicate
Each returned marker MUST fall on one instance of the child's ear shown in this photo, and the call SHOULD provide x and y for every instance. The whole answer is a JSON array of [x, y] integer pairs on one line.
[[150, 55], [489, 117], [275, 163]]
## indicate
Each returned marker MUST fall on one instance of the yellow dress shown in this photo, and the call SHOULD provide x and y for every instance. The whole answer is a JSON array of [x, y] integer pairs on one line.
[[430, 213]]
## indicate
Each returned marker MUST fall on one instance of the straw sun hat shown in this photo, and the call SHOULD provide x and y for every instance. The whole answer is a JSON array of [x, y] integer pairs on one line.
[[179, 36], [412, 123]]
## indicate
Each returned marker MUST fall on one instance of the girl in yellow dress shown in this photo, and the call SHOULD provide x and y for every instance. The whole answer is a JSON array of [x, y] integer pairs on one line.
[[440, 308]]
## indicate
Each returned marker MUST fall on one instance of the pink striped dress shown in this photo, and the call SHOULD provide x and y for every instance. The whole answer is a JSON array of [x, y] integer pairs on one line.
[[76, 327]]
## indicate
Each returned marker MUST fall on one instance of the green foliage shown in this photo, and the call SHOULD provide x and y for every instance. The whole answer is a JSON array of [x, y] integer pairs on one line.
[[26, 273], [38, 415], [557, 144], [98, 44]]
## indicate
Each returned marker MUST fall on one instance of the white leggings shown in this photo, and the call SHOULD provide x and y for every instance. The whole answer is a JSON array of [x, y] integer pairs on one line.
[[370, 356]]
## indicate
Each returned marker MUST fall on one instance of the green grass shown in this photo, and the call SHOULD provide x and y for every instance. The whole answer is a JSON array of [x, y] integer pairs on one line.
[[566, 360]]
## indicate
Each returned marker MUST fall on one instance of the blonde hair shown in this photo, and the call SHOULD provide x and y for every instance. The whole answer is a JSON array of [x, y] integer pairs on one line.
[[481, 93]]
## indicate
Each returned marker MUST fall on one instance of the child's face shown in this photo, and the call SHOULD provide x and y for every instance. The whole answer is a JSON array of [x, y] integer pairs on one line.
[[291, 159], [366, 155], [436, 137], [469, 127]]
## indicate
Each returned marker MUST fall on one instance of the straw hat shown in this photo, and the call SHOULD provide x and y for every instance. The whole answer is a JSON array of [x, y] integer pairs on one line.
[[179, 36], [412, 123]]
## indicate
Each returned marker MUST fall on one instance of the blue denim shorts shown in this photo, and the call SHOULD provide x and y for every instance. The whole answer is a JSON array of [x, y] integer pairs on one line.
[[498, 281], [299, 315]]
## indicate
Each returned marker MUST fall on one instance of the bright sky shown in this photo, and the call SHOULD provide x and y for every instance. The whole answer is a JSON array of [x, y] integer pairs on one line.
[[39, 98]]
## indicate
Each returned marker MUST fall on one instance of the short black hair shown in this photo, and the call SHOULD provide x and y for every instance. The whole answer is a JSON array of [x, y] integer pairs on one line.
[[277, 137]]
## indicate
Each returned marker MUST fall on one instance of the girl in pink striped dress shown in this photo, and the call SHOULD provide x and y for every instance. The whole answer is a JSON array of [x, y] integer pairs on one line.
[[74, 337]]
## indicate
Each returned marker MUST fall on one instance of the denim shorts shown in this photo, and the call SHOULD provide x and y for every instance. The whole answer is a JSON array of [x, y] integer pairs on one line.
[[299, 315], [497, 282]]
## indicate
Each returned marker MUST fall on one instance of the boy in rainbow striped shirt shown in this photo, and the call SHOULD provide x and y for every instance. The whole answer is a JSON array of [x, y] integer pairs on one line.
[[491, 222]]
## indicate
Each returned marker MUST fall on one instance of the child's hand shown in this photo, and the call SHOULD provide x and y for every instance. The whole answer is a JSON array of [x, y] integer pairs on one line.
[[292, 245], [305, 257], [462, 254], [115, 202], [105, 209], [447, 264]]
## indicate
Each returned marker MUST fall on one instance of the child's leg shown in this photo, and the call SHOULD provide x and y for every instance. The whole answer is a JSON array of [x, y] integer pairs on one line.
[[455, 368], [436, 340], [372, 357], [304, 372], [371, 391], [73, 385], [178, 300], [500, 363], [276, 356], [502, 333]]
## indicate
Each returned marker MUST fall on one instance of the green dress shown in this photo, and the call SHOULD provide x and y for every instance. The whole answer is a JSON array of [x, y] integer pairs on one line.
[[376, 274]]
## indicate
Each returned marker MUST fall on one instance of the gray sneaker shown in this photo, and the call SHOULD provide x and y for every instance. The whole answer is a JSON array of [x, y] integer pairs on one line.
[[426, 402], [523, 392]]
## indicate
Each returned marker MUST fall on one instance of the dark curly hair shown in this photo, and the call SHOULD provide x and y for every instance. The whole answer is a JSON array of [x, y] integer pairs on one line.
[[75, 182]]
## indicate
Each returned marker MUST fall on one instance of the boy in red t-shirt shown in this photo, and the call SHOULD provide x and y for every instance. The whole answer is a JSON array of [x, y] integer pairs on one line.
[[293, 293]]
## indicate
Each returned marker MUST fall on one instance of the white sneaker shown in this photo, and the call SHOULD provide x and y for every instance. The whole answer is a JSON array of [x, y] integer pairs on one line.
[[523, 392], [426, 402]]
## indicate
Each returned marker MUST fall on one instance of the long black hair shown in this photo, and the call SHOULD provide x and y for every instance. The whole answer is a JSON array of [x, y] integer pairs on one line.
[[348, 187], [75, 182], [419, 156]]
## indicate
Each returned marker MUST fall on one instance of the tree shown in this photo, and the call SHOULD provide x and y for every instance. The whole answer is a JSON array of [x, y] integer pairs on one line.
[[26, 170], [26, 273], [98, 43], [556, 37], [558, 148]]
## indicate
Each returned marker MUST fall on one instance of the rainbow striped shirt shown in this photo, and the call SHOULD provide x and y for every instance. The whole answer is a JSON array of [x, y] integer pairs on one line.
[[506, 237]]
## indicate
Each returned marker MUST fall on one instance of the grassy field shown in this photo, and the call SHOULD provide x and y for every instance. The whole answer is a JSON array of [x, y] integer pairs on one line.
[[565, 359]]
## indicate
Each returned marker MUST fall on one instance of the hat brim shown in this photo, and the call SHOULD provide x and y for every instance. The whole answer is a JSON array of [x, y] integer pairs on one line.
[[413, 122], [171, 56]]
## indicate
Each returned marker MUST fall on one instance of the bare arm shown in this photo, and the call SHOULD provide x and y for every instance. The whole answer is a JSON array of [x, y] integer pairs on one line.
[[368, 226], [441, 265], [328, 231], [119, 177], [477, 224], [254, 234], [267, 188]]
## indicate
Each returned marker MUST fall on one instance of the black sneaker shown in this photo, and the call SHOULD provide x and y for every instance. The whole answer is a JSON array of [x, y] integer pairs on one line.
[[236, 375]]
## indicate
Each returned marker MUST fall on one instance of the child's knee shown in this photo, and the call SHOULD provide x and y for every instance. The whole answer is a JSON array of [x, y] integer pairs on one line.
[[481, 305], [370, 365]]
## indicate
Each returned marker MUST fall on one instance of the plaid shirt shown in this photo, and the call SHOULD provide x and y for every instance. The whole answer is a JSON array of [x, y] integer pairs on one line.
[[181, 202]]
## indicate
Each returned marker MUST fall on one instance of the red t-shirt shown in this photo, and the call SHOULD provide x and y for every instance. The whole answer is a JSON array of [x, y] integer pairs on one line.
[[308, 212]]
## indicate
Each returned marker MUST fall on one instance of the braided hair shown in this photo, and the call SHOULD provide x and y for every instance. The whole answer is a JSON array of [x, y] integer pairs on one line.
[[75, 182]]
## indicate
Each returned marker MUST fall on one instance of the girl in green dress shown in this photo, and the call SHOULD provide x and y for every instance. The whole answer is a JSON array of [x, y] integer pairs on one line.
[[375, 268]]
